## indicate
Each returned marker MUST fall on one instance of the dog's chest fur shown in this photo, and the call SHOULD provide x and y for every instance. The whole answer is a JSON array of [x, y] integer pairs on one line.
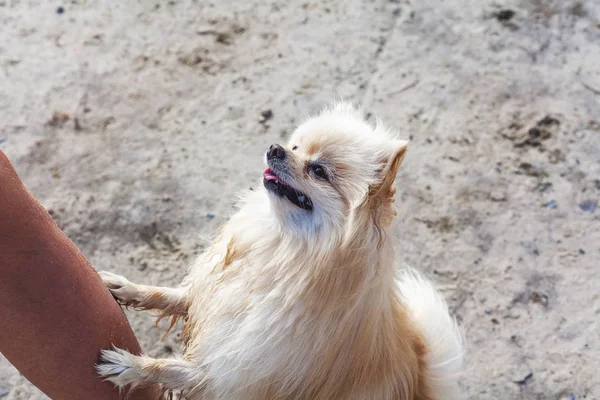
[[275, 317], [260, 334], [249, 334]]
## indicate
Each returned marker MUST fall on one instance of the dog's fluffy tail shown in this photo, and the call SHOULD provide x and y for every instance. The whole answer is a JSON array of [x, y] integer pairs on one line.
[[444, 338]]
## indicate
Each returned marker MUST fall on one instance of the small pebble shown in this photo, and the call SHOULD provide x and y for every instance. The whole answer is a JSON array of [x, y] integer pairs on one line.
[[266, 115], [497, 195], [505, 15], [488, 312], [581, 251], [544, 186], [550, 204], [210, 216], [589, 206], [524, 381], [60, 10]]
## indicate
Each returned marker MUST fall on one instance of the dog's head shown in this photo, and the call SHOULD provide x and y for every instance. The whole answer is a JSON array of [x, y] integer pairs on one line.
[[333, 164]]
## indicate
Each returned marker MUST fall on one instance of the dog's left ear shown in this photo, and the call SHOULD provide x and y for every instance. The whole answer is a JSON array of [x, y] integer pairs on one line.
[[381, 195], [398, 151]]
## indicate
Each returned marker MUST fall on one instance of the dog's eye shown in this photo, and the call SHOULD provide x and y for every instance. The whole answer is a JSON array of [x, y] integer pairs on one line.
[[295, 148], [319, 171]]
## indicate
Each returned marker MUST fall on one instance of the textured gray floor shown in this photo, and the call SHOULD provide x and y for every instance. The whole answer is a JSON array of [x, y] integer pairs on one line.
[[164, 103]]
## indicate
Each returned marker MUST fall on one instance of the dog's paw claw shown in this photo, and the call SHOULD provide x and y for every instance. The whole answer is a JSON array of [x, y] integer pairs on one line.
[[113, 281], [122, 290]]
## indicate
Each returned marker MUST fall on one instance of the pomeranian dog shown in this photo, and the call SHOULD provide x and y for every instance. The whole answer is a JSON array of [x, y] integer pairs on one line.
[[299, 296]]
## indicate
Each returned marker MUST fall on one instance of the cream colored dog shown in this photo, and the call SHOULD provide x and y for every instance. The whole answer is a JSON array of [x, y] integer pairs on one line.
[[299, 296]]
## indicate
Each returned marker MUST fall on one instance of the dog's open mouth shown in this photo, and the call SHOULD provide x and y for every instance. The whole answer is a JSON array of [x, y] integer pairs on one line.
[[274, 184]]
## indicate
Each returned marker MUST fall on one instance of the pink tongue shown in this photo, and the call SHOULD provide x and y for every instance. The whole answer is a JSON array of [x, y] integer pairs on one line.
[[269, 175]]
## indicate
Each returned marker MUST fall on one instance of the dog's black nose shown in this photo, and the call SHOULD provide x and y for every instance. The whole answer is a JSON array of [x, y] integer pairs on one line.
[[276, 152]]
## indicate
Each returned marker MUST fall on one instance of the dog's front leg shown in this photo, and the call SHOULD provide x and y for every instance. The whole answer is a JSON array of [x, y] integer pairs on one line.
[[170, 301], [127, 370]]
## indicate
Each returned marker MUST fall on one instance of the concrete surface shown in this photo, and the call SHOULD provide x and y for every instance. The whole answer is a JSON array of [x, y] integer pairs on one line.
[[135, 123]]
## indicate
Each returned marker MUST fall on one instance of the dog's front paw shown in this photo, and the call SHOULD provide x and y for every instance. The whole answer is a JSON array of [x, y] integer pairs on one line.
[[119, 367], [124, 291]]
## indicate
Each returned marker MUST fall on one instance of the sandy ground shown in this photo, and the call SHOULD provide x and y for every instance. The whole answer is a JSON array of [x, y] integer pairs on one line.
[[135, 123]]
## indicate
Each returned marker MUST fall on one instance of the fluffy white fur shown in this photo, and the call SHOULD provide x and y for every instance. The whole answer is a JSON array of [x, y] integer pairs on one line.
[[443, 336], [289, 303]]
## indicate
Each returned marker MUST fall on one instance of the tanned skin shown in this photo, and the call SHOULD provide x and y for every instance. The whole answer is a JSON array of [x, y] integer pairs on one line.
[[55, 312]]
